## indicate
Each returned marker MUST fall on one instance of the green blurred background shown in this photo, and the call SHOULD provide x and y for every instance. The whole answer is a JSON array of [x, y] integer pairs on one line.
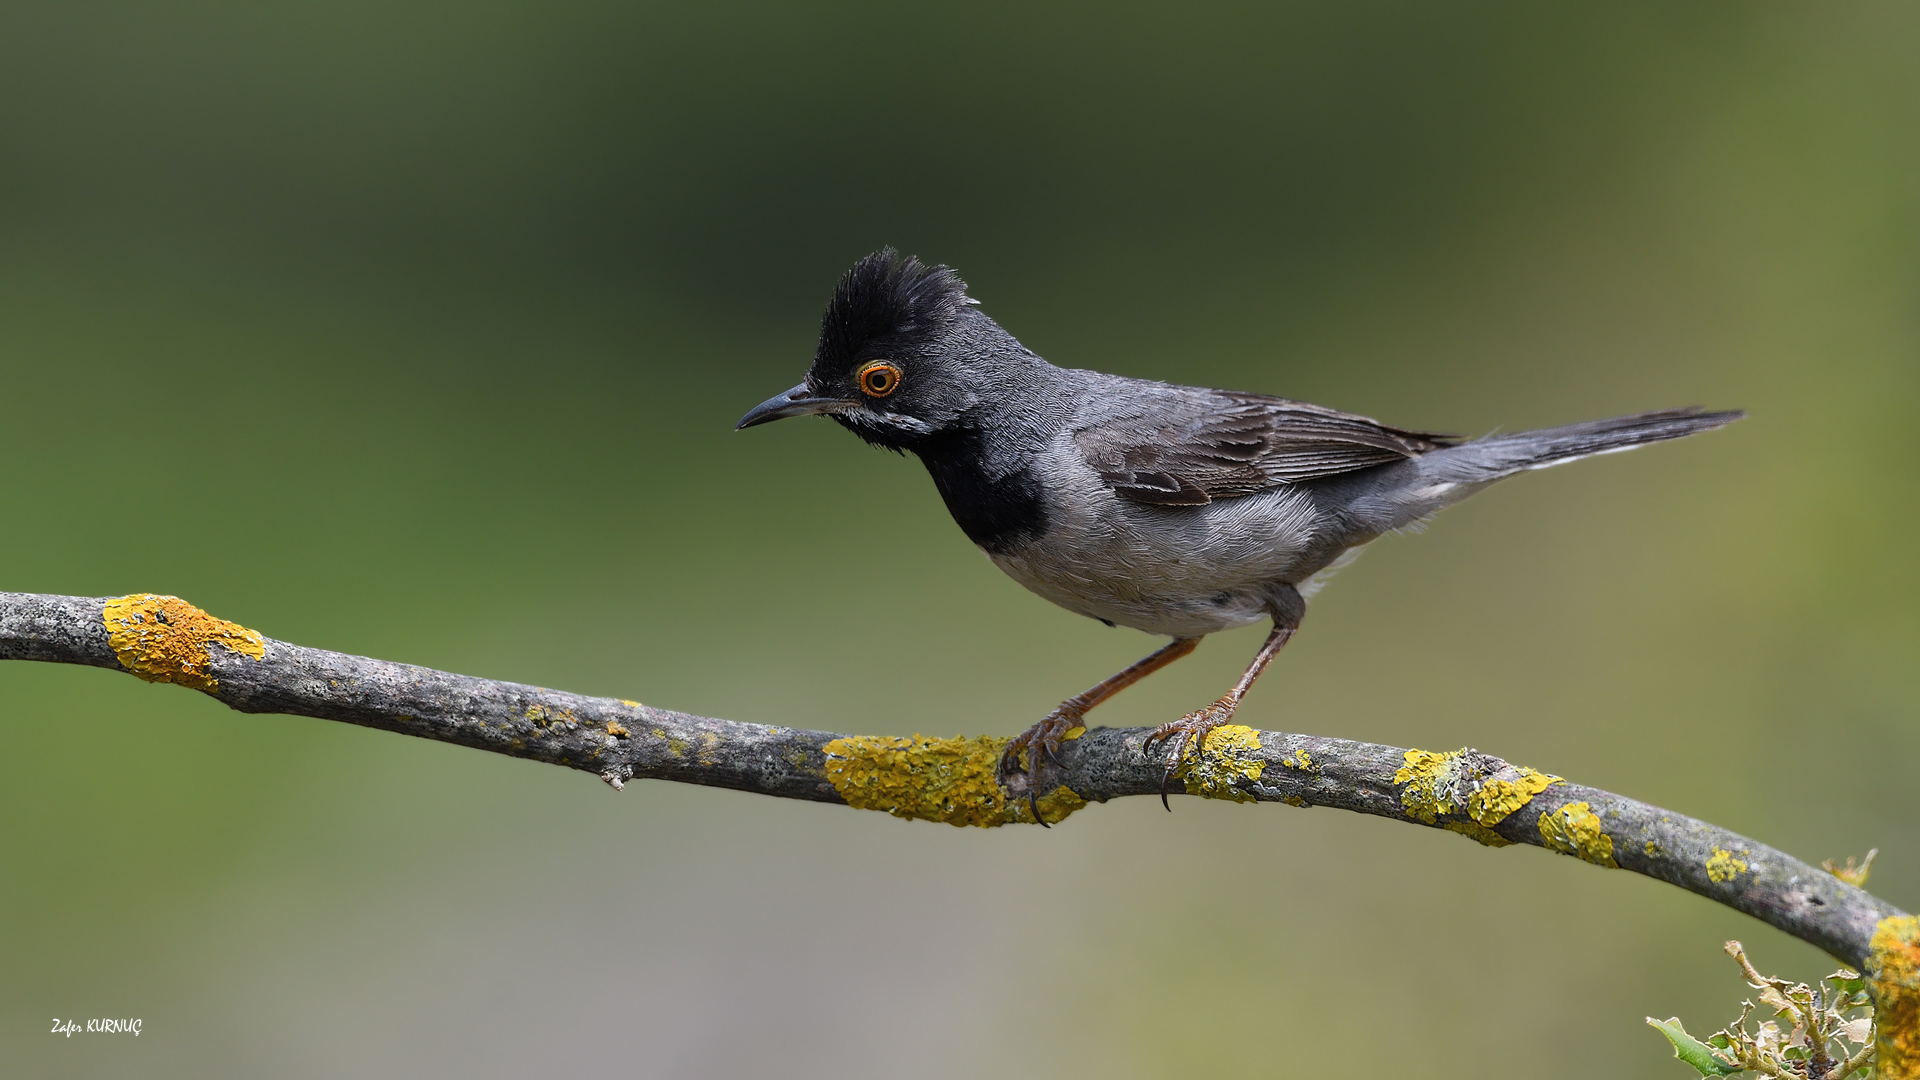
[[418, 331]]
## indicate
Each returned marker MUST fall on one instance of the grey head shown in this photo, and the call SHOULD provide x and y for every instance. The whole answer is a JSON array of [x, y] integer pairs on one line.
[[907, 361]]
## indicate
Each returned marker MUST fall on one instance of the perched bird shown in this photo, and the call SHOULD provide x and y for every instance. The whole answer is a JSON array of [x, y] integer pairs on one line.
[[1175, 510]]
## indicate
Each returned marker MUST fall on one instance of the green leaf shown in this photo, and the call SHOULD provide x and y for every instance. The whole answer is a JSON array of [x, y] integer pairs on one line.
[[1692, 1050]]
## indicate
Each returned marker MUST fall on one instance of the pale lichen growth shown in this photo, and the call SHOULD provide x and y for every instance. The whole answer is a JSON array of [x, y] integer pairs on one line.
[[1822, 1030], [1224, 764], [1497, 798], [1893, 978], [952, 780], [1723, 866], [1855, 875], [164, 639], [1574, 829]]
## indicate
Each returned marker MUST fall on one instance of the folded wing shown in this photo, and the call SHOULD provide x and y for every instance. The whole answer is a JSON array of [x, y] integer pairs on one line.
[[1181, 446]]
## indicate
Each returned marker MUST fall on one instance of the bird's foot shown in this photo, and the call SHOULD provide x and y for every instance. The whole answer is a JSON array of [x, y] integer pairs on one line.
[[1039, 745], [1187, 732]]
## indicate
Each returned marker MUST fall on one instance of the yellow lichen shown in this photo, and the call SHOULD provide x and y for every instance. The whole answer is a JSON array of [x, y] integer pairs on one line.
[[1893, 977], [1451, 783], [1478, 832], [1497, 798], [952, 780], [1055, 805], [617, 730], [1299, 759], [544, 717], [1294, 800], [1228, 758], [1723, 867], [1574, 829], [167, 640], [1652, 849], [1432, 783]]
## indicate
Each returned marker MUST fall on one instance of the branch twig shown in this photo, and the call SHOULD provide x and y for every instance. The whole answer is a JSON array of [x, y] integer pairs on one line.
[[164, 639]]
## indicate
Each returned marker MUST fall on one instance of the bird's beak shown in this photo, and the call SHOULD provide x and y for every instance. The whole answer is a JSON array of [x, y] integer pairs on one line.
[[798, 401]]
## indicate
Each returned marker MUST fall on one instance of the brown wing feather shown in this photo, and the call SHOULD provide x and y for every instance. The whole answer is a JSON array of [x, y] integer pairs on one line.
[[1204, 445]]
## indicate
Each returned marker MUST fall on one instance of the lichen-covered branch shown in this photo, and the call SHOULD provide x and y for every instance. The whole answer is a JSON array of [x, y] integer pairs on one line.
[[165, 639]]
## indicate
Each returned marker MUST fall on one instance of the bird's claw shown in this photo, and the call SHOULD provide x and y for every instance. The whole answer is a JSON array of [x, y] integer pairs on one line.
[[1190, 730], [1041, 744]]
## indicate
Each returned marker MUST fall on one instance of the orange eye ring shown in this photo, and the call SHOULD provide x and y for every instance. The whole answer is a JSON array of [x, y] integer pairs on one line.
[[878, 378]]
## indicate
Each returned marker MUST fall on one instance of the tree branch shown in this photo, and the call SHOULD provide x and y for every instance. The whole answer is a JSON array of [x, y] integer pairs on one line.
[[164, 639]]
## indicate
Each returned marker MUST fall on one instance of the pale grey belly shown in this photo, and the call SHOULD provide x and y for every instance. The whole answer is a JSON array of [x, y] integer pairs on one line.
[[1182, 571]]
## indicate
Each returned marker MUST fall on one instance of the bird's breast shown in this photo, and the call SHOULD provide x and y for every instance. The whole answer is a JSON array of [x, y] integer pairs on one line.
[[1179, 570]]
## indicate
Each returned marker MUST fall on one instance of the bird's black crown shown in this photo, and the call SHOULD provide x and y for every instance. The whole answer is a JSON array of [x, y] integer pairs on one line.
[[886, 301]]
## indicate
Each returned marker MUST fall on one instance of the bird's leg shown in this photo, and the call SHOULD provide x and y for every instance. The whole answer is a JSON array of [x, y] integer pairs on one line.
[[1192, 728], [1044, 738]]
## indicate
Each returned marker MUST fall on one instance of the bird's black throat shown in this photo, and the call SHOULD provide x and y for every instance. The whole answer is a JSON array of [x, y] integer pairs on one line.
[[996, 507]]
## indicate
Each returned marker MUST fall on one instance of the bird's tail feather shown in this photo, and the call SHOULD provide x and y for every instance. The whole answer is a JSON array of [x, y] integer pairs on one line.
[[1491, 458]]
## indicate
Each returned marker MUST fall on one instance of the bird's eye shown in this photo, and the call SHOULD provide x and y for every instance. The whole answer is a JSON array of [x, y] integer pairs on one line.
[[878, 378]]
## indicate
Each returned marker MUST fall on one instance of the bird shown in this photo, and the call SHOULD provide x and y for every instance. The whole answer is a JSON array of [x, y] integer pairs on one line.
[[1181, 511]]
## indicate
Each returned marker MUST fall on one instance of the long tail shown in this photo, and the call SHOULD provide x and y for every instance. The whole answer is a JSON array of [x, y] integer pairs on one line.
[[1496, 456], [1403, 495]]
